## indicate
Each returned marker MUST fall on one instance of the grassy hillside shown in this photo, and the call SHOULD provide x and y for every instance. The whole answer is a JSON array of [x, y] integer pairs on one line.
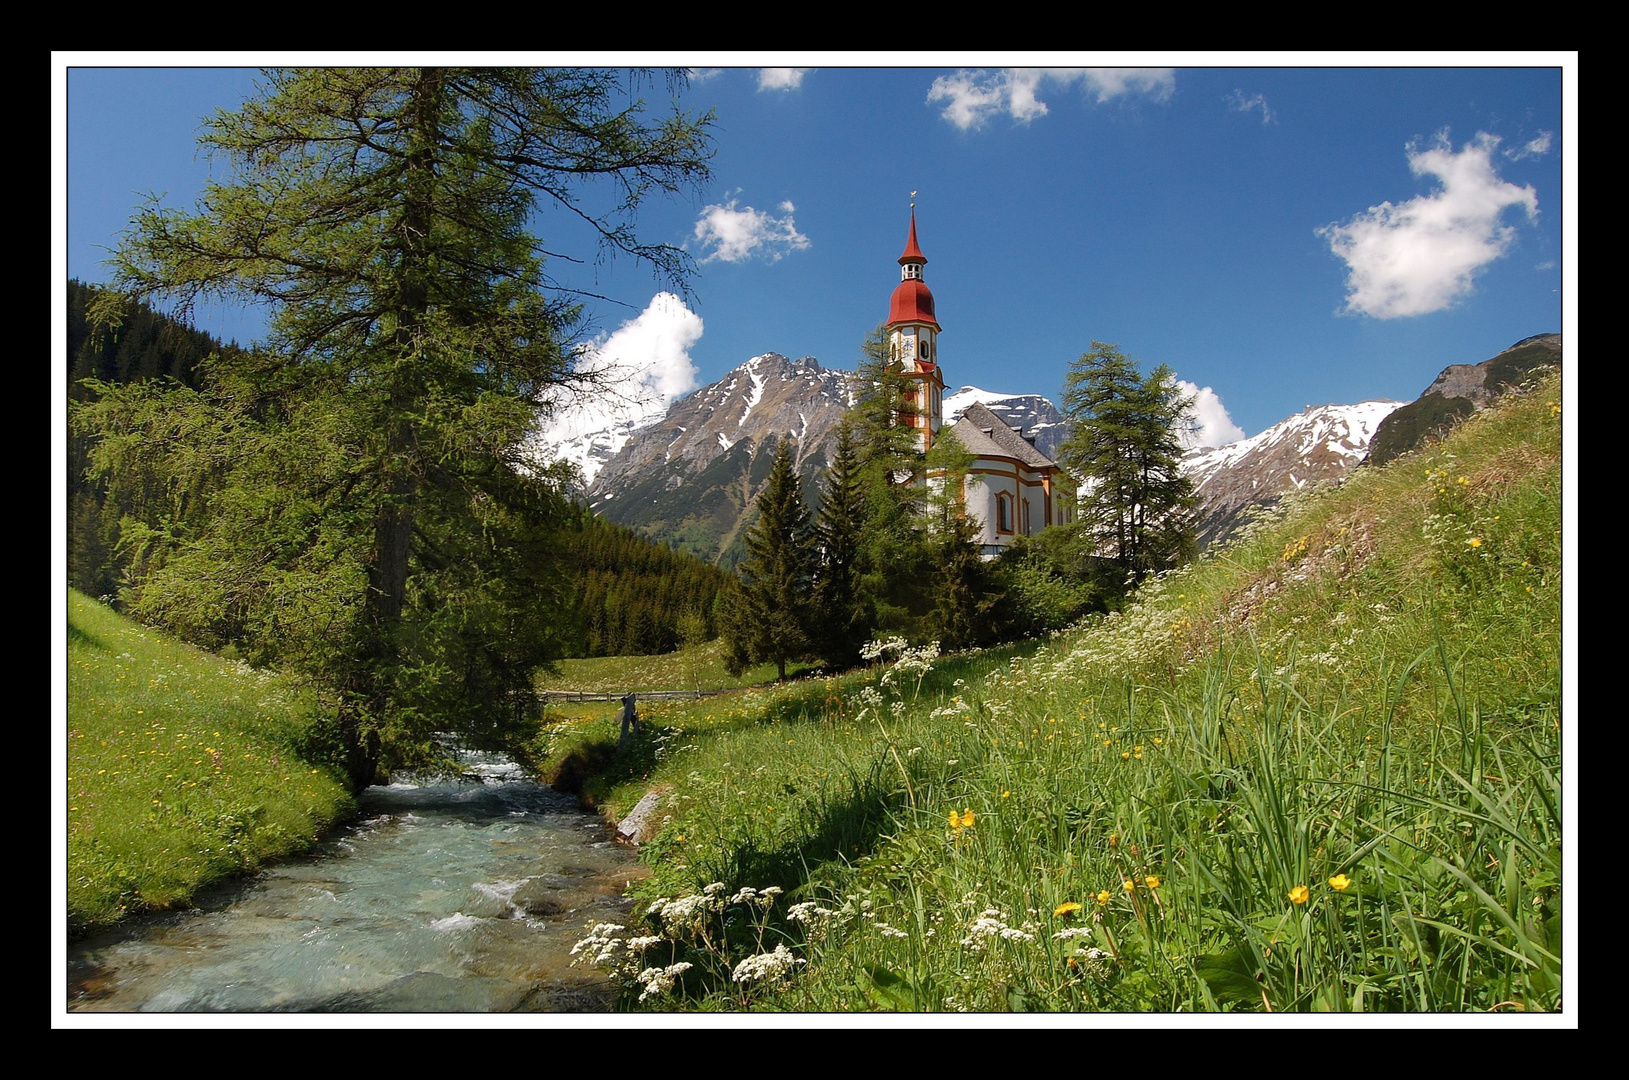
[[182, 768], [1318, 770]]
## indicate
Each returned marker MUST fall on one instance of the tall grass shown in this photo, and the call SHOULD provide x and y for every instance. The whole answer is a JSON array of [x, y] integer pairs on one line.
[[183, 768], [1318, 770]]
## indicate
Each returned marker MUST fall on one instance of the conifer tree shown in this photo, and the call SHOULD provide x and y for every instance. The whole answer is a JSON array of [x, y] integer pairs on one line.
[[767, 617], [371, 520], [891, 468], [843, 612], [1134, 503], [962, 598]]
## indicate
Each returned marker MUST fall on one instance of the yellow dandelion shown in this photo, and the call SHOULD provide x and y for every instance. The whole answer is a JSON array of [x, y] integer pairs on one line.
[[1339, 882], [1103, 898], [1475, 541], [1067, 908], [1299, 894], [1152, 881]]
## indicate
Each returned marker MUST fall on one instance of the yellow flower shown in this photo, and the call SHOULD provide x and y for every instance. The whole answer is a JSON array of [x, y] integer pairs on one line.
[[961, 821], [1129, 885], [1006, 794], [1299, 894], [1339, 882], [1475, 541], [1152, 881], [1067, 908], [1114, 840]]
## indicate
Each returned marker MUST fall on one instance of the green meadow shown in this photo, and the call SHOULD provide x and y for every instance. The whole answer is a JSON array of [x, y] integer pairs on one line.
[[183, 769], [1318, 770]]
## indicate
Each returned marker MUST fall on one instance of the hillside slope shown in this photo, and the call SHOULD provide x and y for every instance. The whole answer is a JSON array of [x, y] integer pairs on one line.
[[1318, 770]]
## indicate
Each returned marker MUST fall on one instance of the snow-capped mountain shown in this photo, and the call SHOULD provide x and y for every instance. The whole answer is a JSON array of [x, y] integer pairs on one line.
[[1037, 418], [690, 477], [688, 474], [1318, 444], [589, 433]]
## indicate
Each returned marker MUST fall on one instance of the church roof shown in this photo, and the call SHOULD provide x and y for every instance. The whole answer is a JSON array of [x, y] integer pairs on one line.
[[987, 435], [912, 303], [912, 252]]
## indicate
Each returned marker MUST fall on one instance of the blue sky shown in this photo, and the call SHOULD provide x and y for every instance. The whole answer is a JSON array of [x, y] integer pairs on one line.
[[1281, 236]]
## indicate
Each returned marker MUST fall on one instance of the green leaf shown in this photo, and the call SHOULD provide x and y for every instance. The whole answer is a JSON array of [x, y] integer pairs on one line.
[[1231, 975]]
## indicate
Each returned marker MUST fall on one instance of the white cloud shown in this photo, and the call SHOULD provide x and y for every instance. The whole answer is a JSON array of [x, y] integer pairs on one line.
[[638, 369], [1212, 426], [1423, 255], [701, 75], [781, 78], [1537, 146], [1239, 101], [972, 97], [734, 234]]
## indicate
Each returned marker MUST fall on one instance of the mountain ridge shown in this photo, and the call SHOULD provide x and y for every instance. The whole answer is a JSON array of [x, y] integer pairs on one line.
[[689, 476]]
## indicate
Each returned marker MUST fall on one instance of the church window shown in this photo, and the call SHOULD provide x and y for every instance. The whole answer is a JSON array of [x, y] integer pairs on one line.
[[1003, 513]]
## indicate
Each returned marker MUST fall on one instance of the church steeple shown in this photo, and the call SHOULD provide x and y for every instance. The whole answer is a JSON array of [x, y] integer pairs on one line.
[[913, 336]]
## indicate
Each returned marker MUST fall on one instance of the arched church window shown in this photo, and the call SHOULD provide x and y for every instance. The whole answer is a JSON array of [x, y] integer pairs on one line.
[[1003, 513]]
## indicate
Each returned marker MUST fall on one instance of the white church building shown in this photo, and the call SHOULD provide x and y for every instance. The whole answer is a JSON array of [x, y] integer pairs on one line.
[[1012, 489]]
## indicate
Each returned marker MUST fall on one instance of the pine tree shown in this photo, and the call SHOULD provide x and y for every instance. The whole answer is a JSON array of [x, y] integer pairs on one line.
[[891, 468], [1135, 503], [767, 618], [370, 518], [843, 613]]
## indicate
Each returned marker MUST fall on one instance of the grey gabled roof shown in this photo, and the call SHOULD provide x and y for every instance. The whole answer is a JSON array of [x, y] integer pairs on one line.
[[986, 434]]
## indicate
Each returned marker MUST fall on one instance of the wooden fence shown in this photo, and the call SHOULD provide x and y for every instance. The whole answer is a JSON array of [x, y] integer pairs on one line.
[[642, 695]]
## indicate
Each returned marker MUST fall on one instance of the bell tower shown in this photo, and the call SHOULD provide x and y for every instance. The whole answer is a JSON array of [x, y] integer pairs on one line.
[[913, 338]]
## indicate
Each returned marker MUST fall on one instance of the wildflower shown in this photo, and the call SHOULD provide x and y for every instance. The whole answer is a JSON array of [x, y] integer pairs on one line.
[[1066, 908], [1103, 898], [1475, 541], [1339, 882], [660, 980], [1299, 894], [961, 821], [1152, 881], [1130, 886], [765, 966]]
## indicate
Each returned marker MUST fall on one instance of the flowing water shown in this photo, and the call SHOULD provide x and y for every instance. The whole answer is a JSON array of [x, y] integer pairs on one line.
[[454, 895]]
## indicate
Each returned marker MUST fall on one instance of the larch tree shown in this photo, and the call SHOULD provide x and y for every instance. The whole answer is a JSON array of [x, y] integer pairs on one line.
[[371, 518], [1135, 505]]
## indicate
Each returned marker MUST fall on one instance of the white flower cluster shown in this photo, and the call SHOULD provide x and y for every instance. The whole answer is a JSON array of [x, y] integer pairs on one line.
[[991, 923], [660, 980], [815, 919], [763, 898], [686, 916], [876, 649], [1095, 962], [765, 966], [601, 946]]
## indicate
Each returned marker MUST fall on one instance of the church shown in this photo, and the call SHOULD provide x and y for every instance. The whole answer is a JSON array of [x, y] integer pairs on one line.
[[1012, 489]]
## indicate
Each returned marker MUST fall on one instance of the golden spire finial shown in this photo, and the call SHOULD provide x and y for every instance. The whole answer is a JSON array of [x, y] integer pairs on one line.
[[913, 200]]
